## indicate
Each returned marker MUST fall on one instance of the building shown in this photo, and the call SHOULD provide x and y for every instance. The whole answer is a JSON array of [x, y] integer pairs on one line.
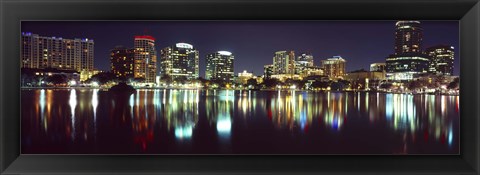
[[268, 71], [406, 66], [334, 67], [41, 52], [311, 71], [408, 62], [145, 58], [441, 59], [244, 76], [122, 62], [284, 62], [220, 66], [365, 79], [180, 61], [305, 59], [377, 67], [408, 37]]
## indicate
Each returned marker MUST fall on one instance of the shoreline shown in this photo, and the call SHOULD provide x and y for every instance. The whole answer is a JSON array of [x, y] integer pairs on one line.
[[162, 88]]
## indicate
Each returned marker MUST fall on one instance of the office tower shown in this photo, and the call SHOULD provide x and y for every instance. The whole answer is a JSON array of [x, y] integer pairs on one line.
[[334, 67], [180, 61], [42, 52], [408, 37], [122, 61], [145, 58], [220, 66], [441, 59], [284, 62], [408, 61]]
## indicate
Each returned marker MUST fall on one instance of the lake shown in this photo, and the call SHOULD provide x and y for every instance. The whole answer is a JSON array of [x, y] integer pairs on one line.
[[167, 121]]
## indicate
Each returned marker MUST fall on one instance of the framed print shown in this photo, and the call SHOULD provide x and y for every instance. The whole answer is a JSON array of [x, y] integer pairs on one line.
[[239, 87]]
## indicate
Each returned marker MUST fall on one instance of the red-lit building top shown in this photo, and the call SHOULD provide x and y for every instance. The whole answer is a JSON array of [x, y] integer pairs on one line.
[[145, 37]]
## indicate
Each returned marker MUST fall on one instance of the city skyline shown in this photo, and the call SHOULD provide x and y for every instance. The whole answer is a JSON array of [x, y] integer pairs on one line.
[[261, 50]]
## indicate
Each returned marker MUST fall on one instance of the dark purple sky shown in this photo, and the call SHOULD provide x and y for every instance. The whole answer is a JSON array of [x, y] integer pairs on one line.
[[253, 42]]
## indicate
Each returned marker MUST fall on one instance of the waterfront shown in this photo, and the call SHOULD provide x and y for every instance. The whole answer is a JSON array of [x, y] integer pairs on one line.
[[169, 121]]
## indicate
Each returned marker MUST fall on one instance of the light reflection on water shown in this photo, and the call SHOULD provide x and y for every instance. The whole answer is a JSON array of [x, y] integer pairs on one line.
[[228, 121]]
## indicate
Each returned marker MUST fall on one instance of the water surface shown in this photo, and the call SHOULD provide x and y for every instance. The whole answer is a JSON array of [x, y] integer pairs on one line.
[[93, 121]]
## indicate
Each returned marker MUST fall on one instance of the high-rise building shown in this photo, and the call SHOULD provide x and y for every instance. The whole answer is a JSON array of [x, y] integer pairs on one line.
[[180, 61], [302, 62], [334, 67], [268, 71], [441, 59], [145, 58], [220, 66], [122, 61], [305, 59], [408, 37], [377, 67], [408, 61], [284, 62], [42, 52]]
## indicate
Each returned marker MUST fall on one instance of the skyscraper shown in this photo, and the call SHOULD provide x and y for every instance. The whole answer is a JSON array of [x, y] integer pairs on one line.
[[122, 61], [305, 59], [220, 66], [408, 37], [334, 67], [180, 61], [284, 62], [145, 58], [441, 59], [408, 60], [42, 52]]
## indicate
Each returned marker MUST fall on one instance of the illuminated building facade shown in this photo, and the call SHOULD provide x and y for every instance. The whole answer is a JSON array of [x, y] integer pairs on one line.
[[334, 67], [180, 61], [244, 76], [145, 58], [406, 66], [220, 66], [441, 59], [408, 37], [40, 52], [305, 59], [122, 61], [284, 62], [377, 67], [268, 71], [408, 62]]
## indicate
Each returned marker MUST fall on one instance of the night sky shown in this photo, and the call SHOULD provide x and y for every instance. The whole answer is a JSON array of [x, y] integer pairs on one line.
[[253, 42]]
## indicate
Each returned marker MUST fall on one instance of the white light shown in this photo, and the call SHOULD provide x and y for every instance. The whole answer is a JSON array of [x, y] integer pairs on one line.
[[184, 45], [183, 132], [224, 125], [293, 87], [225, 53], [73, 83], [95, 84]]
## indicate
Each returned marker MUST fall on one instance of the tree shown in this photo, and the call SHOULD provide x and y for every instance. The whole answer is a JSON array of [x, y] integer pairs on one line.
[[103, 78], [320, 84], [167, 79], [252, 82], [270, 82], [454, 84], [57, 79]]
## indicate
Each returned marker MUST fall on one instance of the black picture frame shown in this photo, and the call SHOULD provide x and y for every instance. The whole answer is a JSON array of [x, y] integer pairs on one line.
[[13, 11]]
